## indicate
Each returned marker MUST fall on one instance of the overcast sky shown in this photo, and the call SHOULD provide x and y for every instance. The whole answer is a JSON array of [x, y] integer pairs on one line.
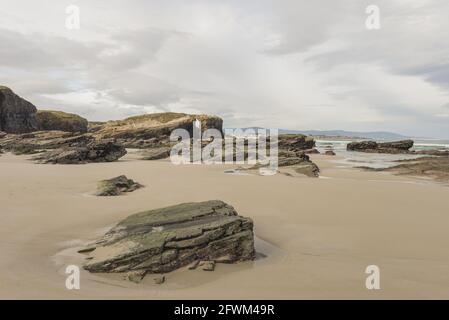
[[271, 63]]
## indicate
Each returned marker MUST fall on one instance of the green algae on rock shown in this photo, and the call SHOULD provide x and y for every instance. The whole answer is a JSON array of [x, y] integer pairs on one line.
[[116, 186], [162, 240]]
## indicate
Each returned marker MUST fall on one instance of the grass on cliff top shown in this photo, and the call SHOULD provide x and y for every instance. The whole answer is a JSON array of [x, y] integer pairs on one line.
[[60, 114], [162, 117]]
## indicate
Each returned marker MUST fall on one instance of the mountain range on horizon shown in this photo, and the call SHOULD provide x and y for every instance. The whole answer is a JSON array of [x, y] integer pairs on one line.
[[374, 135]]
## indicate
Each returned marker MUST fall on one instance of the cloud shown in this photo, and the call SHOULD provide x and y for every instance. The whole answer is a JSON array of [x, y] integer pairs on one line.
[[293, 64]]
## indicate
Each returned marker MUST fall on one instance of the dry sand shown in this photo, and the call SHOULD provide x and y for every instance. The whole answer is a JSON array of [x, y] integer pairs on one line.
[[318, 235]]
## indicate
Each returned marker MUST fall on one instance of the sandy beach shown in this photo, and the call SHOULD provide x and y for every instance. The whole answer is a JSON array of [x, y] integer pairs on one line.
[[315, 236]]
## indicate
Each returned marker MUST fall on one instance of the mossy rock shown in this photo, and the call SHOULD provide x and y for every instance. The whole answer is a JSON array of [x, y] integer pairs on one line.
[[162, 240], [116, 186]]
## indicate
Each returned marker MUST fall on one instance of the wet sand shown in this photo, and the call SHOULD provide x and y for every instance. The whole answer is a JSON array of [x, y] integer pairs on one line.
[[318, 235]]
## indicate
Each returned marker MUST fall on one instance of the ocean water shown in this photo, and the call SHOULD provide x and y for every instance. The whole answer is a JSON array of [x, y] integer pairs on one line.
[[376, 160]]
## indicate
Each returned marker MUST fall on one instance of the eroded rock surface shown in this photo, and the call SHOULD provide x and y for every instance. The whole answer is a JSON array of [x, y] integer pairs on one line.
[[116, 186], [152, 130], [94, 151], [166, 239], [295, 142]]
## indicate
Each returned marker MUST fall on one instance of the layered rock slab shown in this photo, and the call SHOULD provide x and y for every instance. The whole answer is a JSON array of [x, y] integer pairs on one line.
[[394, 147], [94, 151], [166, 239]]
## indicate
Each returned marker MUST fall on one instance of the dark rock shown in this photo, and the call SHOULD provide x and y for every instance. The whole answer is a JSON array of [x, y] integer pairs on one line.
[[117, 186], [16, 114], [166, 239], [329, 153], [362, 146], [95, 151], [43, 140], [394, 147], [403, 145], [62, 121]]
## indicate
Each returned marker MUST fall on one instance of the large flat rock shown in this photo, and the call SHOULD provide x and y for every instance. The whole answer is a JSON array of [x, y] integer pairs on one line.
[[165, 239]]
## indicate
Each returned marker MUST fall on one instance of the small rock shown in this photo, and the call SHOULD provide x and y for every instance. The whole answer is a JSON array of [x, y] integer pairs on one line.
[[136, 276], [116, 186], [329, 153], [208, 265], [159, 280]]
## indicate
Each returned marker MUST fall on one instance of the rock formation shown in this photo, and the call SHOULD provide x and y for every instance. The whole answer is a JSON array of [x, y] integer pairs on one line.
[[95, 151], [16, 114], [166, 239], [28, 143], [62, 121], [116, 186], [295, 142], [151, 130], [395, 147]]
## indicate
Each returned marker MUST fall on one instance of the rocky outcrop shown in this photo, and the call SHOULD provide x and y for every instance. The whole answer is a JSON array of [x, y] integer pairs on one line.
[[395, 147], [295, 142], [166, 239], [299, 163], [95, 151], [29, 143], [293, 150], [151, 130], [116, 186], [16, 114], [62, 121]]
